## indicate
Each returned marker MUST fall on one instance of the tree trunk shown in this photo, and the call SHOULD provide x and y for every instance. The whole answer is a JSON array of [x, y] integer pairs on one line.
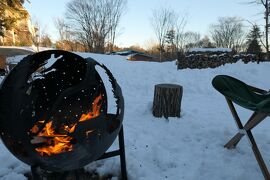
[[266, 29], [167, 100]]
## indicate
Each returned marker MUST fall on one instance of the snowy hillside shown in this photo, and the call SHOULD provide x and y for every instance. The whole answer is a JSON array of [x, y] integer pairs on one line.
[[190, 147]]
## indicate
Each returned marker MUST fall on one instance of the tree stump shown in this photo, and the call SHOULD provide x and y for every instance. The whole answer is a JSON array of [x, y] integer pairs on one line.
[[167, 100]]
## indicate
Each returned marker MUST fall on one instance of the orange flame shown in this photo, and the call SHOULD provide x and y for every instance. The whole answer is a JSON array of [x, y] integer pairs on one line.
[[95, 110], [57, 143]]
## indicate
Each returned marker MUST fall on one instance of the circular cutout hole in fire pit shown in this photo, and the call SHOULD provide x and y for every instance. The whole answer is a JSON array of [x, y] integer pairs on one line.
[[53, 111]]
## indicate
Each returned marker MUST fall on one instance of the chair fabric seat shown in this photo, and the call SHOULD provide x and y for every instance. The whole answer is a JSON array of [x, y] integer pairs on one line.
[[241, 94]]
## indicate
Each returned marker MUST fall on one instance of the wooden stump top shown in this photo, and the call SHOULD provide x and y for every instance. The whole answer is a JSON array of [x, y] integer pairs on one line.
[[171, 86]]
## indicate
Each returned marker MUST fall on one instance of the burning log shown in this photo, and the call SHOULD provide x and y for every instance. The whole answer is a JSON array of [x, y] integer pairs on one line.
[[167, 100]]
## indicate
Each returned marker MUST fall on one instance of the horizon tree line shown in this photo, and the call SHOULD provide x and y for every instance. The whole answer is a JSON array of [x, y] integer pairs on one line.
[[227, 32], [92, 26]]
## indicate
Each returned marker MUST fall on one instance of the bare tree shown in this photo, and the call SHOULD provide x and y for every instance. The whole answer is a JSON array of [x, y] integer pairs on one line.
[[188, 40], [151, 46], [205, 43], [95, 21], [191, 39], [62, 28], [40, 36], [66, 36], [179, 32], [45, 41], [117, 9], [162, 21], [36, 34], [228, 32]]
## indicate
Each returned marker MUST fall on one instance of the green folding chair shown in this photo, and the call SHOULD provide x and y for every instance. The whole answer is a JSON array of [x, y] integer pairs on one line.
[[248, 97]]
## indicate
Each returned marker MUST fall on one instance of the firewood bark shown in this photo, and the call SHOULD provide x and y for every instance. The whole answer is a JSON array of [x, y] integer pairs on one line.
[[167, 100], [2, 62]]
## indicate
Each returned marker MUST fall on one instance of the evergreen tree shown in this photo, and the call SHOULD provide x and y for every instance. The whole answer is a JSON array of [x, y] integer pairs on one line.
[[14, 3], [170, 40], [253, 37], [170, 37], [254, 47], [205, 43]]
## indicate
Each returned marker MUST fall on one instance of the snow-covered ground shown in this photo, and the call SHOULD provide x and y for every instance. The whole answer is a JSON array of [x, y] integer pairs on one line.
[[29, 48], [190, 147]]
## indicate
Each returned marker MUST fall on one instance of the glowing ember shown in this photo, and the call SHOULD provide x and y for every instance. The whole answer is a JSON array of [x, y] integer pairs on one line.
[[34, 129], [56, 143]]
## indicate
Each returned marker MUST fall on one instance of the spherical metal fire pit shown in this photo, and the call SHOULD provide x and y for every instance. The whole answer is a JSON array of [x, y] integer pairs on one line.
[[53, 111]]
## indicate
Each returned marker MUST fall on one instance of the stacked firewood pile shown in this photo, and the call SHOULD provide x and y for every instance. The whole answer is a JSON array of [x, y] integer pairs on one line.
[[246, 58], [201, 61]]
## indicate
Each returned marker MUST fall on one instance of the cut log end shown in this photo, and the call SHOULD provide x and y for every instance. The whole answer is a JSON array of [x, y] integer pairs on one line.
[[167, 100]]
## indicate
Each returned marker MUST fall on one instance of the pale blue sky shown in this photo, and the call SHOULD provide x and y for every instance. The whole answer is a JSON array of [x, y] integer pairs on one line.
[[135, 27]]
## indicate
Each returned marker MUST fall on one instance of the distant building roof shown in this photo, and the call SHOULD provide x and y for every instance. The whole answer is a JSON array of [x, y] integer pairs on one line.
[[140, 54], [140, 57], [125, 53], [210, 50]]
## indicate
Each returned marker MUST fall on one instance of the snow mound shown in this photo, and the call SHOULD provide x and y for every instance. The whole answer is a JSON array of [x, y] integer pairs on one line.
[[190, 147]]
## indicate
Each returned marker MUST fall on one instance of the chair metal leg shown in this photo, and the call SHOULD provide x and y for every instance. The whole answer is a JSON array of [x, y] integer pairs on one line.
[[253, 121], [234, 141], [234, 113], [258, 156]]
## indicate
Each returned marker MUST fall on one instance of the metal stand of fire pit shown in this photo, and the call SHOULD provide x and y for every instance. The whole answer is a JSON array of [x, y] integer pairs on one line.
[[120, 152]]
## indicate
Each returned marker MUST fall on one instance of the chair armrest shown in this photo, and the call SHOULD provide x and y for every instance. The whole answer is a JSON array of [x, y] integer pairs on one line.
[[257, 90]]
